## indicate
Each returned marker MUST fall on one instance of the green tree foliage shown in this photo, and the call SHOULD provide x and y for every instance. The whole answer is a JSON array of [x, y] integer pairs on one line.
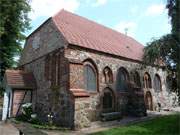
[[174, 13], [13, 23], [167, 47]]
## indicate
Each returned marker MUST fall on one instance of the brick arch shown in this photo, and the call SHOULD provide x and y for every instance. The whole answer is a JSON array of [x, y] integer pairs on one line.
[[107, 75], [149, 101], [122, 79], [90, 64], [147, 80]]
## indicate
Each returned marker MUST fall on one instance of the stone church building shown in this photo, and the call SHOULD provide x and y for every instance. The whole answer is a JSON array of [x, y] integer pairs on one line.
[[80, 71]]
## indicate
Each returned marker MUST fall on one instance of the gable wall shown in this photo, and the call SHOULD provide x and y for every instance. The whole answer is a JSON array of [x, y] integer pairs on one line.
[[50, 39], [49, 98]]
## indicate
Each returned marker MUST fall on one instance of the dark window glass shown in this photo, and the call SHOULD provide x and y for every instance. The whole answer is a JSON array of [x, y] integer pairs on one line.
[[90, 78], [107, 100], [136, 78], [122, 79], [157, 83]]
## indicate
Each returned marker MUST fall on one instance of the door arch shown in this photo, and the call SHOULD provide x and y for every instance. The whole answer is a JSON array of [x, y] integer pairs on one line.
[[149, 101], [108, 100]]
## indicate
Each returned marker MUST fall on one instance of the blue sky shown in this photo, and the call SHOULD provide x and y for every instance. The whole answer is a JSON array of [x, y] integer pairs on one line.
[[144, 19]]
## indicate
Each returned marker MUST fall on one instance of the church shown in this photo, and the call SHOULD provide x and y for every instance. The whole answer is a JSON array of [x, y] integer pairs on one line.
[[80, 71]]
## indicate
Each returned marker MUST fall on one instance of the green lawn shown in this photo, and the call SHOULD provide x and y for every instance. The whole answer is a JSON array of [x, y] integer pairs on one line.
[[165, 125]]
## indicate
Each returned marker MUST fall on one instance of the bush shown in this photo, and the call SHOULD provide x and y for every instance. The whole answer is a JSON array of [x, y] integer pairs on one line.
[[2, 90], [28, 115], [26, 111]]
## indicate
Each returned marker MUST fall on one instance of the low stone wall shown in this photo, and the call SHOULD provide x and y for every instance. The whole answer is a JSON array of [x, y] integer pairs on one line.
[[86, 110], [167, 100]]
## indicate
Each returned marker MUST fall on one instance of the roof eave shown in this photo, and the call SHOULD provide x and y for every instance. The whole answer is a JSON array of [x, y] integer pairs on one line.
[[113, 55]]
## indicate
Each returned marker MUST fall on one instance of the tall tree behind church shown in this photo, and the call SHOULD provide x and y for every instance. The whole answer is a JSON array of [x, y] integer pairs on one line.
[[168, 46], [14, 22]]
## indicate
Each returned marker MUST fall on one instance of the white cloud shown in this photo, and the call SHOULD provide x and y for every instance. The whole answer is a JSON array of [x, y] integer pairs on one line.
[[129, 26], [99, 3], [156, 9], [50, 7]]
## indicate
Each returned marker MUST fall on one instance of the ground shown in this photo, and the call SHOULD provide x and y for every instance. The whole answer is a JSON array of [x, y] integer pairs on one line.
[[166, 125], [161, 123]]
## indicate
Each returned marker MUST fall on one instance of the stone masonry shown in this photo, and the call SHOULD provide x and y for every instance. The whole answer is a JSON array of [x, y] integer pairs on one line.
[[58, 68]]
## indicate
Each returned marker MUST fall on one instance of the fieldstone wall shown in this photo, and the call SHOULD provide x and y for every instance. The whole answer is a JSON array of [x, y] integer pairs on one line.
[[59, 99], [76, 76], [52, 99], [45, 39], [85, 108]]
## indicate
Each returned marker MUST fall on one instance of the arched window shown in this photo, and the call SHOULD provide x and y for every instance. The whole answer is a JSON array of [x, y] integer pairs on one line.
[[136, 79], [90, 77], [157, 83], [147, 81], [108, 76], [122, 80]]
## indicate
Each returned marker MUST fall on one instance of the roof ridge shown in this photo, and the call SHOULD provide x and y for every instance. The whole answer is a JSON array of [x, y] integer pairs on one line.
[[94, 22], [83, 32], [57, 13]]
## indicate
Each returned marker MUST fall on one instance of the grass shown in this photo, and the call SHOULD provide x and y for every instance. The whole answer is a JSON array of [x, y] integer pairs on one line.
[[165, 125], [49, 127]]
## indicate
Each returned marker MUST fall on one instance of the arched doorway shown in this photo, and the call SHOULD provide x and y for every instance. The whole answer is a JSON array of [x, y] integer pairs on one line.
[[148, 101], [107, 100]]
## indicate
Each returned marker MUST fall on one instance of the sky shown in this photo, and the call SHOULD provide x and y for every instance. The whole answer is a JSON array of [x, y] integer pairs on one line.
[[143, 19]]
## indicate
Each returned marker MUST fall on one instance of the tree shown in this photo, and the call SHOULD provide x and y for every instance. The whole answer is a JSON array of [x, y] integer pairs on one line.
[[13, 23], [167, 47], [174, 13]]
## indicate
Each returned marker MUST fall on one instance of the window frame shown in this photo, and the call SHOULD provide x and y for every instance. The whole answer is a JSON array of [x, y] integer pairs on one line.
[[126, 74], [147, 82], [154, 84], [91, 64], [110, 75]]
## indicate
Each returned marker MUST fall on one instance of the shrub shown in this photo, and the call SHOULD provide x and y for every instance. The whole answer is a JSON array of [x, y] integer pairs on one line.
[[28, 115]]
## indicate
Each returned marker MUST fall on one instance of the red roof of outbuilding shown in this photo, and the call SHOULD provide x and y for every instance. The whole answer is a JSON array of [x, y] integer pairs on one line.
[[85, 33], [20, 79]]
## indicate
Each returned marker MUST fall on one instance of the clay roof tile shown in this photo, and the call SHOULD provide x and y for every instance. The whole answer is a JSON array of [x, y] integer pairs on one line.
[[20, 79], [85, 33]]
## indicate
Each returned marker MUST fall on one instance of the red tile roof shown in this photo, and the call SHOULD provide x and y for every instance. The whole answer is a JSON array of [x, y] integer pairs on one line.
[[79, 93], [85, 33], [20, 79]]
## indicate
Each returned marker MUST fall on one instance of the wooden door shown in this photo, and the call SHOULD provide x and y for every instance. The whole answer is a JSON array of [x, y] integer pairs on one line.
[[148, 101], [20, 97]]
